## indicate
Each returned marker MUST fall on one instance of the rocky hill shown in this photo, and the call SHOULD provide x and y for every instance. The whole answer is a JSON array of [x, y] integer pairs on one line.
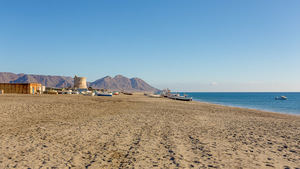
[[45, 80], [6, 77], [118, 82]]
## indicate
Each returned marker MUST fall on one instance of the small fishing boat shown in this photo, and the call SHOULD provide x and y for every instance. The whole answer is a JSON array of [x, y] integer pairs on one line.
[[154, 95], [87, 93], [116, 93], [75, 92], [281, 98], [67, 92], [178, 97], [184, 98], [104, 94], [167, 93], [49, 92]]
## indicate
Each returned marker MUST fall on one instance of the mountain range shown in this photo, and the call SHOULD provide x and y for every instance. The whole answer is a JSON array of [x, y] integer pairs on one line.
[[119, 82]]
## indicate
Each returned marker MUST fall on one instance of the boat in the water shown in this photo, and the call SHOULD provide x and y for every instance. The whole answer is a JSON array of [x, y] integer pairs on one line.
[[281, 98], [104, 94]]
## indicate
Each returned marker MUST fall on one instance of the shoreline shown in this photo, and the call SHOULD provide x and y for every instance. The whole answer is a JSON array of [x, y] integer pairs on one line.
[[249, 108], [254, 100]]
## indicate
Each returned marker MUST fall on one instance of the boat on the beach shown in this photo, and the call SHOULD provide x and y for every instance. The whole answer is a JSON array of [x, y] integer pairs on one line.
[[182, 98], [281, 98], [67, 92], [127, 93], [75, 92], [167, 93], [154, 95], [49, 92], [104, 94], [88, 93]]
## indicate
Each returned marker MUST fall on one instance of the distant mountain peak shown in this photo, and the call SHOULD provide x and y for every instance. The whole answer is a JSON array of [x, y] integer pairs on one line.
[[136, 78], [120, 82], [119, 76], [45, 80], [107, 77]]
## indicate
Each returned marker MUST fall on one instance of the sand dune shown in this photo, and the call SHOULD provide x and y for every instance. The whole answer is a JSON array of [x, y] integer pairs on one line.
[[139, 132]]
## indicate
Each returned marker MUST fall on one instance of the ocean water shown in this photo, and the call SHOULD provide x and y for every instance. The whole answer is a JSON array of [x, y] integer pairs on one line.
[[261, 101]]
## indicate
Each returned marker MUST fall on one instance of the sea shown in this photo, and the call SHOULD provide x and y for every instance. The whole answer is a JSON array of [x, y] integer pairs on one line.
[[260, 100]]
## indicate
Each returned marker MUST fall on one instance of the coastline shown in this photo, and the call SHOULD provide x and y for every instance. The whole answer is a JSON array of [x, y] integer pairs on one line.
[[137, 131], [253, 100], [248, 108]]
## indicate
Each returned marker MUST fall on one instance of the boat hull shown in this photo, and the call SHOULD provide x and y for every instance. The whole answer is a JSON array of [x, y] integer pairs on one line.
[[281, 98], [181, 98], [100, 94]]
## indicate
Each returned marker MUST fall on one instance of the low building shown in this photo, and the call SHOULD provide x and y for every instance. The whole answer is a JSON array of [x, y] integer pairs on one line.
[[21, 88]]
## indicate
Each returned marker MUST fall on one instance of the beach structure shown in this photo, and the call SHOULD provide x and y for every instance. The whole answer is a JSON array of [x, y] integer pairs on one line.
[[21, 88], [80, 82], [43, 89], [166, 92]]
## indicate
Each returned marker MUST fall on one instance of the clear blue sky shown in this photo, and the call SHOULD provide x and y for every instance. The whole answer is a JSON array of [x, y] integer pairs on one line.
[[186, 45]]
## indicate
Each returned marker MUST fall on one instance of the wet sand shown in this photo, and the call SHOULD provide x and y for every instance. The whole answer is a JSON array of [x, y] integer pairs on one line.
[[139, 132]]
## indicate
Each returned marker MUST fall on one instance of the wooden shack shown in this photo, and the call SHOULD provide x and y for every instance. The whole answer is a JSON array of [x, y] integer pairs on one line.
[[21, 88]]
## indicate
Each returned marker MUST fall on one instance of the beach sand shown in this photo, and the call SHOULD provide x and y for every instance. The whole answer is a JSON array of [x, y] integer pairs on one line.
[[63, 131]]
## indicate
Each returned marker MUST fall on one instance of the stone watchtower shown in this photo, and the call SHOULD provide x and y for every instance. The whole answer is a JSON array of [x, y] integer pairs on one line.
[[80, 82]]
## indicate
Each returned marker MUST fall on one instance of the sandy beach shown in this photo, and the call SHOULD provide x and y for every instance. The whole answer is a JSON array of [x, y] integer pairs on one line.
[[72, 131]]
